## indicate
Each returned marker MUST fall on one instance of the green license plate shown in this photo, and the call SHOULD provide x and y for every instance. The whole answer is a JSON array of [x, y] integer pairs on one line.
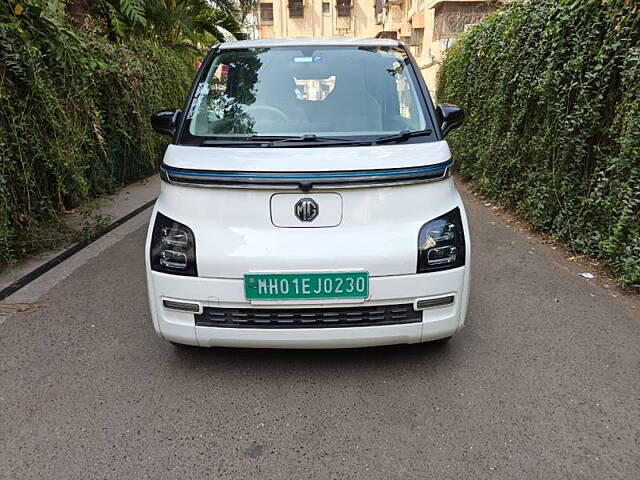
[[294, 286]]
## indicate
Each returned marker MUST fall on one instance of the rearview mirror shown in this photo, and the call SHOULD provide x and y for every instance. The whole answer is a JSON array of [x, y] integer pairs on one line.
[[165, 121], [450, 116]]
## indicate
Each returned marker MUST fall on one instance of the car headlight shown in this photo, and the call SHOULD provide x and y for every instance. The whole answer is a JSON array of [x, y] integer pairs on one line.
[[441, 243], [173, 247]]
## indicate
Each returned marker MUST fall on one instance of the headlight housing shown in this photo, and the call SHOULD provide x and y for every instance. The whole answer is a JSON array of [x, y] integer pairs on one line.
[[173, 247], [441, 243]]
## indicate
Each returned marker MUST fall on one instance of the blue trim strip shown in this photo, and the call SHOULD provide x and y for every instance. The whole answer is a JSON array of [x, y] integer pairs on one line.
[[355, 175]]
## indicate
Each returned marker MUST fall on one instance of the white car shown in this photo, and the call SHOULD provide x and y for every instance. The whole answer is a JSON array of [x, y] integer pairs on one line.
[[307, 202]]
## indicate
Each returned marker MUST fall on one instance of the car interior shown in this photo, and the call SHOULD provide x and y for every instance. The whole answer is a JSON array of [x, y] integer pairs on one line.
[[290, 91]]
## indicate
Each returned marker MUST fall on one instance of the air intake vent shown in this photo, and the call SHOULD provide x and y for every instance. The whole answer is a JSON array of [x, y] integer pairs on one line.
[[307, 317]]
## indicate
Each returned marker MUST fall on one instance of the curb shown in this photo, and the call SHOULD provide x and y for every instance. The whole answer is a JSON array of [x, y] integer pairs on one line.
[[72, 250]]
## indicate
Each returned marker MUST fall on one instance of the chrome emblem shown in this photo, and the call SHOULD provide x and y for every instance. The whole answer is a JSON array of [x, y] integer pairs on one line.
[[306, 209]]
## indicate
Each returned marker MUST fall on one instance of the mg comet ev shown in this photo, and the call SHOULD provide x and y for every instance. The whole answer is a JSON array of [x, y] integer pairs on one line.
[[307, 202]]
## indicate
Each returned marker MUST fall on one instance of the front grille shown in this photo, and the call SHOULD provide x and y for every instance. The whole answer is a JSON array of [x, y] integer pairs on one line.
[[307, 317]]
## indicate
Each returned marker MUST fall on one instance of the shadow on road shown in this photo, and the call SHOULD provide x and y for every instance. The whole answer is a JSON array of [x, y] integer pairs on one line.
[[387, 356]]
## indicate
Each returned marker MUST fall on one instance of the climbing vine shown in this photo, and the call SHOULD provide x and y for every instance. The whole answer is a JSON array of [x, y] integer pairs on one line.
[[552, 94], [74, 112]]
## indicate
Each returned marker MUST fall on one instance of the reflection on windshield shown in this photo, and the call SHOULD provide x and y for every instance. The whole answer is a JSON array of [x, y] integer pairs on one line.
[[345, 91], [313, 89], [221, 100]]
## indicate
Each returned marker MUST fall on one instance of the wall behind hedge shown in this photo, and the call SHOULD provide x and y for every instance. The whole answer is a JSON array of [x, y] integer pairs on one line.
[[552, 93], [74, 113]]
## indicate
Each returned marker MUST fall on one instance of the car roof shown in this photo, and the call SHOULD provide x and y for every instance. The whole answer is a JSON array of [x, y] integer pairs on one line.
[[308, 41]]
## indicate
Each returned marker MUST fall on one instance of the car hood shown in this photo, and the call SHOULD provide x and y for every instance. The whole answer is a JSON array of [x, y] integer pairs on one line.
[[307, 159]]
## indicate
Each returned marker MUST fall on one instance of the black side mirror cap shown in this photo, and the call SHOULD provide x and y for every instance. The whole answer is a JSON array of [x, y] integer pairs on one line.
[[450, 116], [166, 121]]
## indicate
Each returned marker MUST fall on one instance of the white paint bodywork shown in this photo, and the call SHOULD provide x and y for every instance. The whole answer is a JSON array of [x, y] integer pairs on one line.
[[283, 208], [315, 159], [378, 229]]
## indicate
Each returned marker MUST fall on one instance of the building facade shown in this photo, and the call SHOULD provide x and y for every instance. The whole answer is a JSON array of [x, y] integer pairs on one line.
[[317, 18], [428, 27]]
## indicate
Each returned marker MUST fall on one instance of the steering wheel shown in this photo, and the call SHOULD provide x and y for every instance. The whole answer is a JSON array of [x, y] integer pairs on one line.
[[273, 111]]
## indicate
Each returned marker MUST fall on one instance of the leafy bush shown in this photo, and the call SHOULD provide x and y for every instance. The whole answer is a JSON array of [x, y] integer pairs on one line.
[[552, 93], [74, 120]]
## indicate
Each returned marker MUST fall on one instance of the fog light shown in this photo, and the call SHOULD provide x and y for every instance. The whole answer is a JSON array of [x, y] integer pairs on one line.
[[434, 302], [181, 306]]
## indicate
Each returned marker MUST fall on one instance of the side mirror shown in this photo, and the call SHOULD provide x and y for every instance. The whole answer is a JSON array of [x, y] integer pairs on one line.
[[450, 116], [165, 121]]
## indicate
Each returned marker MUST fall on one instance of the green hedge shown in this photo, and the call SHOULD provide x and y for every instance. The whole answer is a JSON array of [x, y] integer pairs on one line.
[[74, 113], [552, 94]]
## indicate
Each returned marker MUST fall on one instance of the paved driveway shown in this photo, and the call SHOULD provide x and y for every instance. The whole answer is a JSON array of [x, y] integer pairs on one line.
[[544, 382]]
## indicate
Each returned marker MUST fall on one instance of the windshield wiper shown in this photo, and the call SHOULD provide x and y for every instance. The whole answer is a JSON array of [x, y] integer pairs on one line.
[[270, 140], [274, 140], [311, 138], [220, 142], [401, 137]]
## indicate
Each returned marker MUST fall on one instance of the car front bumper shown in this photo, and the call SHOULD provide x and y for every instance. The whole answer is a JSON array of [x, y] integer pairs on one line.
[[437, 322]]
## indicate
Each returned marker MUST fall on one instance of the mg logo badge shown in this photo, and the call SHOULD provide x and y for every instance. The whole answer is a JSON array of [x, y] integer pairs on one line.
[[306, 209]]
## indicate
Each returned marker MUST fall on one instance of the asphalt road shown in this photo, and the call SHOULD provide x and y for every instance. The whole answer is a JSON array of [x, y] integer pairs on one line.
[[544, 382]]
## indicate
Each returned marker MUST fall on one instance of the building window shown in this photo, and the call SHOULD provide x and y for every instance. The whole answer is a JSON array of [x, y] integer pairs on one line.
[[451, 18], [266, 13], [417, 37], [326, 7], [296, 9], [344, 8]]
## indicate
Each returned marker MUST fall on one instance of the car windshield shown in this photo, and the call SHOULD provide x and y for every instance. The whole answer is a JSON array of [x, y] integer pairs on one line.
[[341, 92]]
